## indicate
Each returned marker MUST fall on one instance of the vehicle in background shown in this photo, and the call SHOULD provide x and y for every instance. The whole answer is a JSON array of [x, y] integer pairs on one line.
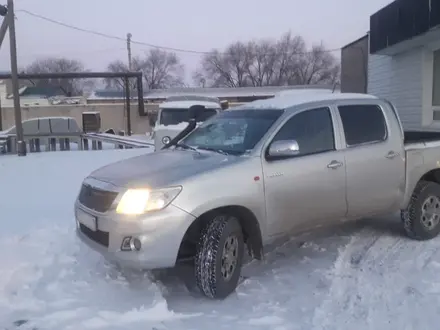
[[173, 116], [258, 172]]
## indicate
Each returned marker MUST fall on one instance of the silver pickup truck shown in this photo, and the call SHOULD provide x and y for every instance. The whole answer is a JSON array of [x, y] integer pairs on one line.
[[254, 173]]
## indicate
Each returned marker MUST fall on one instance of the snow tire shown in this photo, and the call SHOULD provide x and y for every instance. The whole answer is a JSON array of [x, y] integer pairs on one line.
[[208, 259], [412, 216]]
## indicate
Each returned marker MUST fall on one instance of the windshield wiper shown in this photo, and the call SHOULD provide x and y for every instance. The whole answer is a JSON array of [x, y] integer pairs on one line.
[[185, 146], [221, 152]]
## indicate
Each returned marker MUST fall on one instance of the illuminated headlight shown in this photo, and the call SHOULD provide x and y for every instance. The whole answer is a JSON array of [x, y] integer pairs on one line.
[[139, 201], [166, 140]]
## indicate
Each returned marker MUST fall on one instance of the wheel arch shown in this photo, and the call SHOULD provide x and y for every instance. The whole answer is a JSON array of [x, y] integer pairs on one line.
[[430, 176], [248, 221]]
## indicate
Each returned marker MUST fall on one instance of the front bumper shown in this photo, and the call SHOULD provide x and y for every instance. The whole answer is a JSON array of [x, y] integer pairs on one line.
[[160, 233]]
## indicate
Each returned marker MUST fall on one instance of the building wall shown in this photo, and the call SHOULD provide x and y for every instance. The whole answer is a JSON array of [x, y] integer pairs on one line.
[[354, 66], [399, 79], [112, 115], [405, 77]]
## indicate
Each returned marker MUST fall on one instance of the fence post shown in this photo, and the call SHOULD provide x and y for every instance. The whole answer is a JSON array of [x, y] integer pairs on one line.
[[53, 144], [62, 145], [37, 145], [32, 145], [121, 133]]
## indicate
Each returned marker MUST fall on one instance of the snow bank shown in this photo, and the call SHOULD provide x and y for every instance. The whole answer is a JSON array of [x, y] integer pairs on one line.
[[365, 275], [48, 279]]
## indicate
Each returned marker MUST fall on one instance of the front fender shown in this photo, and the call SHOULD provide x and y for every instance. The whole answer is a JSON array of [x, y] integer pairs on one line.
[[256, 207]]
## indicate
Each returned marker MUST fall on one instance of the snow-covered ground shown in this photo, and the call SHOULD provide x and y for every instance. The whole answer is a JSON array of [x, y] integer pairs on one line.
[[363, 275]]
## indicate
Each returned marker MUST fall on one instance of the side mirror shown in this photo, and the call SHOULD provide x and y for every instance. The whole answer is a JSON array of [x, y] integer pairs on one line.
[[284, 148], [195, 111], [3, 10]]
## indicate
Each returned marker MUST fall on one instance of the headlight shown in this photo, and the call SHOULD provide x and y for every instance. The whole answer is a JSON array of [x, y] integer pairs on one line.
[[166, 140], [139, 201]]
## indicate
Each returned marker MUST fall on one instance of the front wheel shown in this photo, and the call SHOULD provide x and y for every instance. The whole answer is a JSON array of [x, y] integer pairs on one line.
[[219, 257], [421, 219]]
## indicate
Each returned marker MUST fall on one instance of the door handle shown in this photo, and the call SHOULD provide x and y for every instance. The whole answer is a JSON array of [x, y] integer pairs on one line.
[[334, 164], [391, 155]]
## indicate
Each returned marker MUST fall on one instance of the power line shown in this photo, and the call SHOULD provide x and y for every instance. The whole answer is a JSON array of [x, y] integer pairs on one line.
[[72, 52], [109, 36]]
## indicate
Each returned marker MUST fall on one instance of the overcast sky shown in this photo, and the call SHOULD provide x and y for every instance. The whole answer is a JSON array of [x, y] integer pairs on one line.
[[193, 24]]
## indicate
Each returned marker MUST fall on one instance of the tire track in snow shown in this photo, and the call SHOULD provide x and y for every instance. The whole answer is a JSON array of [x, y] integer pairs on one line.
[[378, 279]]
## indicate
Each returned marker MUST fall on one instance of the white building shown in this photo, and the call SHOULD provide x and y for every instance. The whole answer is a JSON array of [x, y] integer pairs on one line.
[[404, 60]]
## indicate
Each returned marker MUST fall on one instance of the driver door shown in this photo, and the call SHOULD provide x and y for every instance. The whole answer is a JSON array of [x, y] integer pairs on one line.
[[305, 190]]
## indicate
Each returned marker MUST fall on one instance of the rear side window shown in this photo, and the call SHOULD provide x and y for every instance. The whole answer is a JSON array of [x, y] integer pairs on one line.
[[363, 124]]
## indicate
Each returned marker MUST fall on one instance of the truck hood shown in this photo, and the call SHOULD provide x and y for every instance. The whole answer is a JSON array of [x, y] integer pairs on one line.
[[162, 168]]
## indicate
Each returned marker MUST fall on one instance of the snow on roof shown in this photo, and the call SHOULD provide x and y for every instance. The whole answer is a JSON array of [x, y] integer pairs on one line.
[[224, 92], [290, 100], [311, 90], [193, 97], [188, 104], [229, 92]]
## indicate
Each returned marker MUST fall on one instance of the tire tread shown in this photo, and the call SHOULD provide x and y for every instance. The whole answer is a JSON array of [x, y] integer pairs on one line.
[[206, 256], [409, 215]]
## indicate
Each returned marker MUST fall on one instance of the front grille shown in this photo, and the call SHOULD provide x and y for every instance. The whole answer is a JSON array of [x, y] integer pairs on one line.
[[96, 199], [98, 236]]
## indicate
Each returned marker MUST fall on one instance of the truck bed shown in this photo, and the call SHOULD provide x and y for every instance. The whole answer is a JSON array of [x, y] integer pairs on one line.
[[421, 136]]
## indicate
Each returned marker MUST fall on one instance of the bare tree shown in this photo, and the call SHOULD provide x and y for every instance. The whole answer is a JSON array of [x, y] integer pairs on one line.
[[286, 61], [116, 66], [71, 87], [160, 69], [119, 66], [228, 68]]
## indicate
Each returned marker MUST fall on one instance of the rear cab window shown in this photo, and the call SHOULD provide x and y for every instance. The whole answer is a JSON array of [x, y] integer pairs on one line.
[[363, 124]]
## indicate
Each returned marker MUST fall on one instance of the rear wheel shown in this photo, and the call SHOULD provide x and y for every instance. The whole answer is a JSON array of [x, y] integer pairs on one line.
[[421, 219], [219, 257]]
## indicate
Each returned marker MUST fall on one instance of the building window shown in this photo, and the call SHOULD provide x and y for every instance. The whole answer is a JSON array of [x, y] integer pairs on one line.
[[436, 80]]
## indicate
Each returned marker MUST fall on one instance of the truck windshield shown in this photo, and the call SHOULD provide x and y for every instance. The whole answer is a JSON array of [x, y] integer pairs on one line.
[[234, 131], [176, 116]]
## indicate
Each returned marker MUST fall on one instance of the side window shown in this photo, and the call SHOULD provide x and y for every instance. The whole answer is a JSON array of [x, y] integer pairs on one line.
[[312, 129], [363, 124]]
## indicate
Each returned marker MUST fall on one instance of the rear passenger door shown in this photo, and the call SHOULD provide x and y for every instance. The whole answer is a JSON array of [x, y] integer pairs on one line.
[[374, 159]]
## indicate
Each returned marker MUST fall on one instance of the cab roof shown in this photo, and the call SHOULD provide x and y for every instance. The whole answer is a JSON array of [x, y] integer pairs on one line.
[[189, 103], [301, 98]]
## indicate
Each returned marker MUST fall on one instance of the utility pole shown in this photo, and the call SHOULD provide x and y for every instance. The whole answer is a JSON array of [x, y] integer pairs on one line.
[[130, 66], [1, 117], [21, 145], [127, 84], [3, 30], [127, 104]]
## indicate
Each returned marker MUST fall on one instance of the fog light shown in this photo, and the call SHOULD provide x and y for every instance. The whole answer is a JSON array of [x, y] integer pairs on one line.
[[131, 244], [135, 244], [126, 246], [166, 140]]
